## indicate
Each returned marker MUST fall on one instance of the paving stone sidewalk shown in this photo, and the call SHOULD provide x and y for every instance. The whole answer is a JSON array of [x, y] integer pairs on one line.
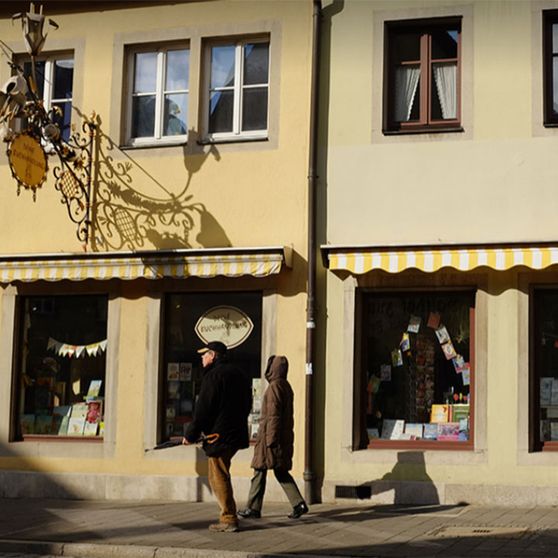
[[91, 529]]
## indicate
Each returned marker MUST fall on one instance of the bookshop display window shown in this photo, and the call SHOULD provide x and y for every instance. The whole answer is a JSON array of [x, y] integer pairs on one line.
[[544, 402], [61, 366], [192, 320], [415, 374]]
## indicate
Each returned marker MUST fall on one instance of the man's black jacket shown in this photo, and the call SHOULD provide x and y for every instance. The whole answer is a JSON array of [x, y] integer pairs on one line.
[[223, 406]]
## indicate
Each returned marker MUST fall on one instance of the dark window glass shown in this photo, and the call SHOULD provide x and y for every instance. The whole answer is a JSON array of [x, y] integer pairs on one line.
[[191, 320], [545, 404], [63, 79], [254, 109], [406, 46], [143, 116], [221, 111], [415, 376], [444, 43], [550, 42], [61, 374], [256, 63]]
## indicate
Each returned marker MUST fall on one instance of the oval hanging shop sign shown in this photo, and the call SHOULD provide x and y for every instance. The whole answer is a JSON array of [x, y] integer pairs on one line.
[[28, 161], [227, 324]]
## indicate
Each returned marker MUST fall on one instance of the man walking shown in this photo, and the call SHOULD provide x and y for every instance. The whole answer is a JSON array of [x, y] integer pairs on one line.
[[222, 408]]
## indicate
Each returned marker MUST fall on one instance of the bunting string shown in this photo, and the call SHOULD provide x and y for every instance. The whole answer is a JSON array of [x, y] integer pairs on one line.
[[68, 350]]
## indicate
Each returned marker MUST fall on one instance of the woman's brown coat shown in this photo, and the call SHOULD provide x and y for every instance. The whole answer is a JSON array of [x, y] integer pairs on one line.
[[274, 444]]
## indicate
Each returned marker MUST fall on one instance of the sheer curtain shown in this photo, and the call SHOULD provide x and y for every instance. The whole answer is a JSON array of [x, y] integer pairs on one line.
[[406, 82], [445, 76]]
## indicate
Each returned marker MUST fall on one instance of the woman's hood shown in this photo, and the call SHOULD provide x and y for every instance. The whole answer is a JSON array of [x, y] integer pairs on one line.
[[277, 368]]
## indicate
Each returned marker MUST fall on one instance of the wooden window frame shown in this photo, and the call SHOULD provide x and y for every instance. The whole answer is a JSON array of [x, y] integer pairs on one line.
[[535, 442], [379, 444], [550, 17], [426, 122]]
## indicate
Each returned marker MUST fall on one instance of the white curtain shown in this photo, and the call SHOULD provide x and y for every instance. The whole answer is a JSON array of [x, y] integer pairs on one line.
[[406, 82], [445, 76]]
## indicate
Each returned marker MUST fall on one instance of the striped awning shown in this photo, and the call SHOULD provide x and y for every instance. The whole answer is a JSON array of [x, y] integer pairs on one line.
[[228, 262], [360, 260]]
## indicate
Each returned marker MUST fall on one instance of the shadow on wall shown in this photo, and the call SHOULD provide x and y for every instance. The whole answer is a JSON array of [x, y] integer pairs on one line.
[[123, 217], [408, 480]]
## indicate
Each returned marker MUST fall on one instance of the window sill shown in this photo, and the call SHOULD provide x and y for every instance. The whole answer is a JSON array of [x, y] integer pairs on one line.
[[409, 131], [211, 141], [52, 438], [420, 445], [152, 145]]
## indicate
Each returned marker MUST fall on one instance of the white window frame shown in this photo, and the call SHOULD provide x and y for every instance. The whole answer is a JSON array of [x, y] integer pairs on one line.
[[238, 88], [48, 87], [159, 92]]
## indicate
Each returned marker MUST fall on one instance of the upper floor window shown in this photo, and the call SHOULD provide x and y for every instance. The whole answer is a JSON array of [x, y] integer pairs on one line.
[[550, 47], [158, 98], [55, 76], [423, 62], [237, 89]]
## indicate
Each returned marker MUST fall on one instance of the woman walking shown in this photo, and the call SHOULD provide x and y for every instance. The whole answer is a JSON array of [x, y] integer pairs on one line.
[[274, 442]]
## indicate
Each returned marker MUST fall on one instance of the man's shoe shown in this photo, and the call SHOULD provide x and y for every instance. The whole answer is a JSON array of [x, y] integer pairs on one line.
[[249, 513], [224, 527], [298, 510]]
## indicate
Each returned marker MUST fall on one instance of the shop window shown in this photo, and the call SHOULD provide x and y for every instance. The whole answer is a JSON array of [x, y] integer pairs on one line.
[[60, 378], [415, 372], [544, 377], [158, 94], [237, 89], [550, 48], [423, 63], [55, 77], [193, 319]]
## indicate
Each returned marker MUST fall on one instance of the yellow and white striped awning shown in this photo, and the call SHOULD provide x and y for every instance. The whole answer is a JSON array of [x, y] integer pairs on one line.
[[360, 260], [228, 262]]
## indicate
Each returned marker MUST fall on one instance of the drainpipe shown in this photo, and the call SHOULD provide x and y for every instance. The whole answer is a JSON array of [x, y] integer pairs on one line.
[[309, 474]]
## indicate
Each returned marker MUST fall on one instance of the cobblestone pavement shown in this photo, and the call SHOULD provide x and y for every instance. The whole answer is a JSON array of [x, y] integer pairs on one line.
[[116, 529]]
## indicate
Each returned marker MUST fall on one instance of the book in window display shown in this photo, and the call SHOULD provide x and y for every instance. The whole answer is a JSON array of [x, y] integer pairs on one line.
[[430, 375]]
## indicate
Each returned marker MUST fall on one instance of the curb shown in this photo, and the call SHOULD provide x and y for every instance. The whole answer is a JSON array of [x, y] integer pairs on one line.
[[90, 550]]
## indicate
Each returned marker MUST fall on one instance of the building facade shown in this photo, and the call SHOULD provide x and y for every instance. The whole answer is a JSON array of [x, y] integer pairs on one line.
[[440, 242], [195, 229]]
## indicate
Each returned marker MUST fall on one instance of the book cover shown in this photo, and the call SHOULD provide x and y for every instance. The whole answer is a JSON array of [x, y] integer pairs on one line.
[[449, 350], [439, 413], [434, 319], [458, 363], [76, 426], [392, 429], [442, 335], [94, 411], [430, 431], [43, 424], [405, 343], [396, 358], [448, 431], [173, 371], [173, 388], [414, 324], [385, 372], [185, 372], [90, 429], [554, 392], [459, 411], [373, 433], [414, 429], [466, 374], [94, 388], [79, 410], [546, 391]]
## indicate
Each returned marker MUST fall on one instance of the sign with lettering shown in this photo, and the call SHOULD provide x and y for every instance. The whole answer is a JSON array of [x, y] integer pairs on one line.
[[227, 324], [28, 161]]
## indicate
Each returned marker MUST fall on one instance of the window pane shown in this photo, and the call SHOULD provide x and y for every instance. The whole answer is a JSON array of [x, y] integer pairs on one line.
[[555, 37], [40, 74], [221, 112], [415, 367], [444, 44], [189, 318], [143, 116], [254, 109], [444, 86], [555, 84], [64, 121], [546, 364], [222, 66], [256, 63], [406, 46], [407, 93], [178, 62], [145, 73], [62, 363], [176, 114], [63, 77]]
